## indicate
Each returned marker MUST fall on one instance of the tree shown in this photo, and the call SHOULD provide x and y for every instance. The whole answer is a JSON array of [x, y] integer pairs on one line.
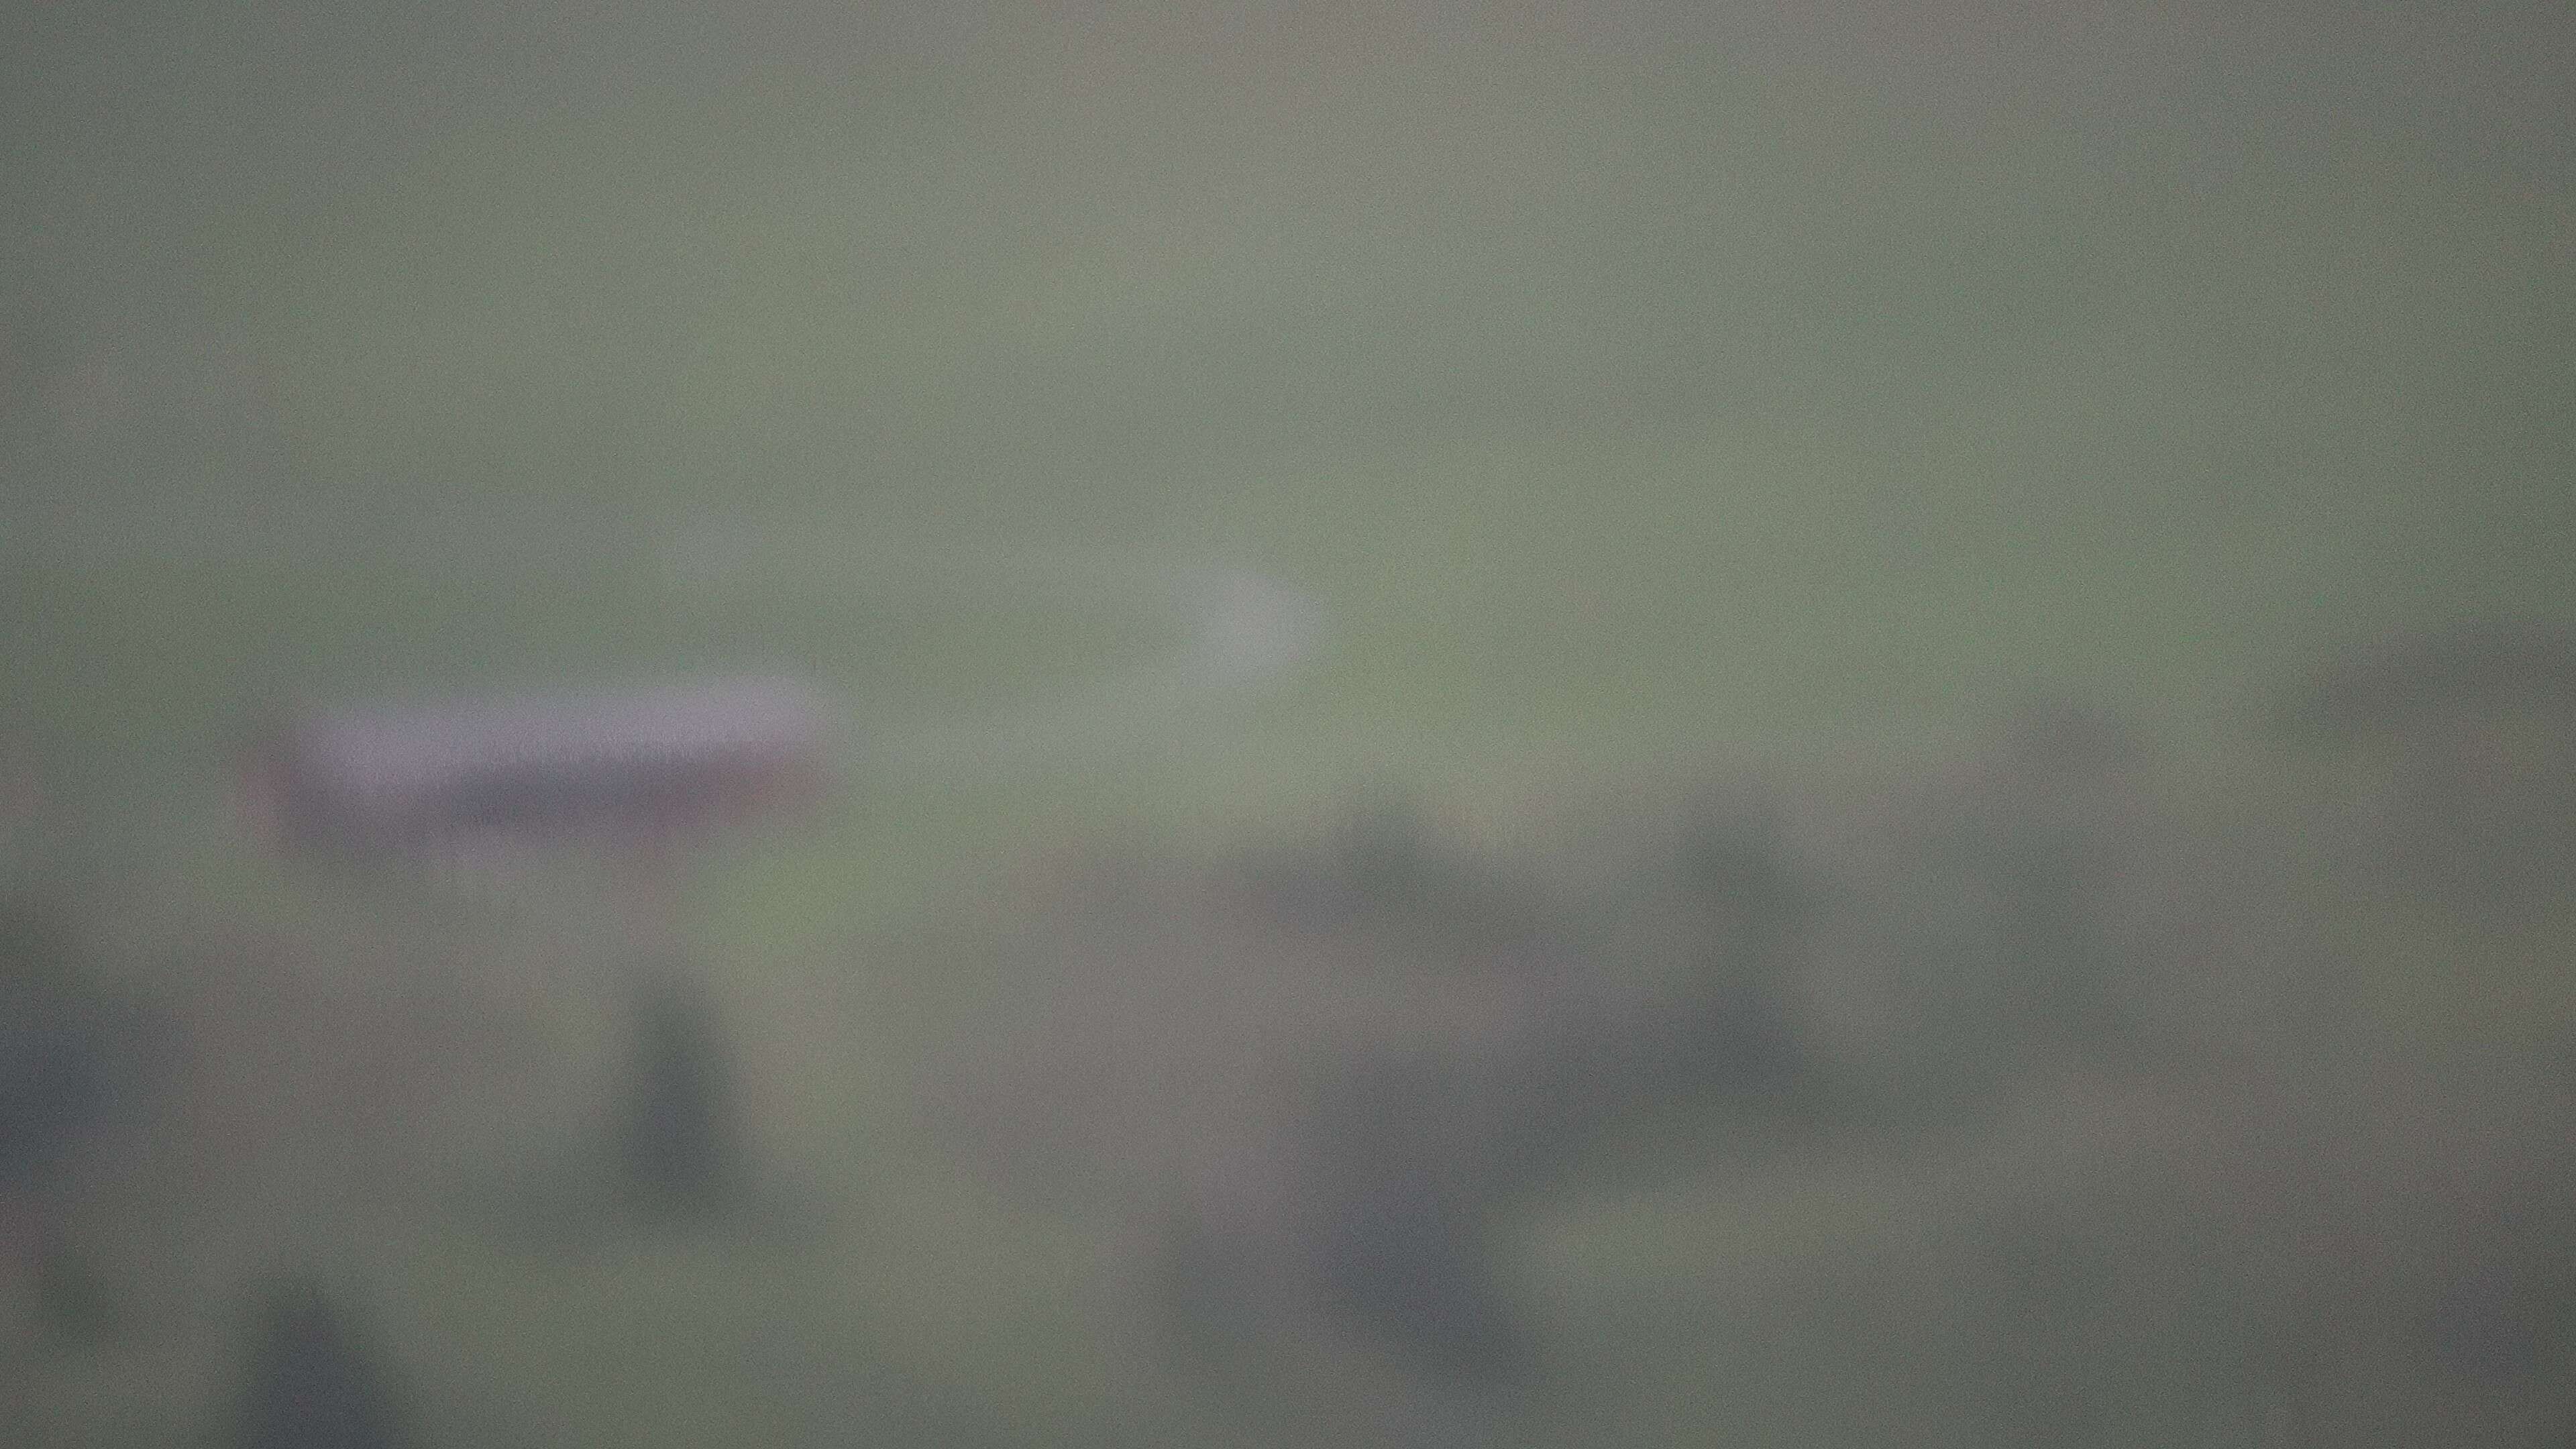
[[313, 1382], [55, 1070], [680, 1147], [1407, 1261]]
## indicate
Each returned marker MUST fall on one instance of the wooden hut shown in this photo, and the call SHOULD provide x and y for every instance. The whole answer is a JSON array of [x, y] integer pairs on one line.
[[630, 768]]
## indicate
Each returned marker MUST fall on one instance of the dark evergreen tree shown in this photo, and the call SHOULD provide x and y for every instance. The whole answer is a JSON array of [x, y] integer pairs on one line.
[[1407, 1178], [680, 1145], [73, 1300], [312, 1380], [1729, 1029], [55, 1058], [1734, 865], [1406, 1260]]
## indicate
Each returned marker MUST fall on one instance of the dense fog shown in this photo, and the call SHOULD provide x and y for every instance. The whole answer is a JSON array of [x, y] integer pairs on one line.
[[1296, 724]]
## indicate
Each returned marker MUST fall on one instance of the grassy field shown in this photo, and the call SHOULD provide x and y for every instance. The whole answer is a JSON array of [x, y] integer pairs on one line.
[[1639, 415]]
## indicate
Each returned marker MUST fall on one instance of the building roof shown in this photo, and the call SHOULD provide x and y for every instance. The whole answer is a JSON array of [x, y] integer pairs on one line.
[[388, 756]]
